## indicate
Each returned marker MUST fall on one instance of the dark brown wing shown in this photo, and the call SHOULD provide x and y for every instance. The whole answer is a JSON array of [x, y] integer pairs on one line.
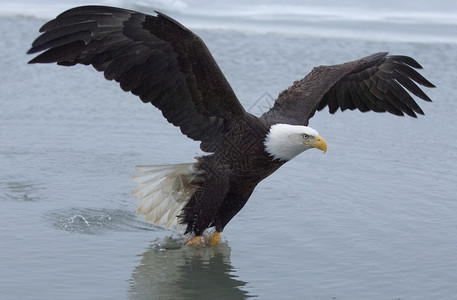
[[154, 57], [378, 83]]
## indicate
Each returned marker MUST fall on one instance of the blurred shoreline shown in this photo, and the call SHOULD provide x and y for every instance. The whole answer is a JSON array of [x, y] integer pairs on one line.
[[421, 23]]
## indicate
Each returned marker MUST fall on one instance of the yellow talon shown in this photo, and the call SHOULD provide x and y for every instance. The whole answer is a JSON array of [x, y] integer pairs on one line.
[[215, 238], [194, 241]]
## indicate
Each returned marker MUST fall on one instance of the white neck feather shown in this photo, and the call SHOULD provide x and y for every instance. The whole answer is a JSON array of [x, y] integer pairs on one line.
[[285, 141]]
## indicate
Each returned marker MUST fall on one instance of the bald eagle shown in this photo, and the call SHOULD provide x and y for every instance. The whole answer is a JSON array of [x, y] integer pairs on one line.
[[167, 65]]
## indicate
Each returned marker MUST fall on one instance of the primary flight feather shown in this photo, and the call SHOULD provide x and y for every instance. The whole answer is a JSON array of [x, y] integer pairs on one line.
[[167, 65]]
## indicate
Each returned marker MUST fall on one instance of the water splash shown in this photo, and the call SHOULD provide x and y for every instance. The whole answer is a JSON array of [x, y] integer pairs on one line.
[[177, 240], [97, 221]]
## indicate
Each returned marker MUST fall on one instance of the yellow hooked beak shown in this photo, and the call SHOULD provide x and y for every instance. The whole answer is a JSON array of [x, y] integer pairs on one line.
[[319, 144]]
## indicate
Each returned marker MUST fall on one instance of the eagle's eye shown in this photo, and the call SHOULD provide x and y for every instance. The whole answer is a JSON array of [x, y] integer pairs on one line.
[[305, 136]]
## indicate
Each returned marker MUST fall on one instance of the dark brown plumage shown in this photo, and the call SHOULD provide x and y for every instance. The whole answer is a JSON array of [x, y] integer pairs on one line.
[[167, 65], [154, 57], [373, 83]]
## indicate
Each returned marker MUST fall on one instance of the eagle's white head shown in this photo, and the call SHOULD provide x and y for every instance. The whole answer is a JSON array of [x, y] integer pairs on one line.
[[285, 141]]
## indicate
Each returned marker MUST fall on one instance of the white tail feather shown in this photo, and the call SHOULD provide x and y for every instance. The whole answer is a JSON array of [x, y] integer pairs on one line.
[[164, 190]]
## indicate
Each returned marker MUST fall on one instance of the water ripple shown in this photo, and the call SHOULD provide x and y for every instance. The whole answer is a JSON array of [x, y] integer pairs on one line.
[[22, 191], [96, 220]]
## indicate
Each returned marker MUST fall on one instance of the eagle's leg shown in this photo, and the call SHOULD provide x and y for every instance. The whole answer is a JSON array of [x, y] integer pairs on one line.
[[215, 238], [194, 241]]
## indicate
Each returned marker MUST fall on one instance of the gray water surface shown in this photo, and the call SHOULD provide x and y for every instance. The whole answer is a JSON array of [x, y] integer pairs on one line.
[[374, 218]]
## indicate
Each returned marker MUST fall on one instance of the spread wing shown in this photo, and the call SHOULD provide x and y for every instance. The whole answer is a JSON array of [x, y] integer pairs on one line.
[[377, 83], [154, 57]]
